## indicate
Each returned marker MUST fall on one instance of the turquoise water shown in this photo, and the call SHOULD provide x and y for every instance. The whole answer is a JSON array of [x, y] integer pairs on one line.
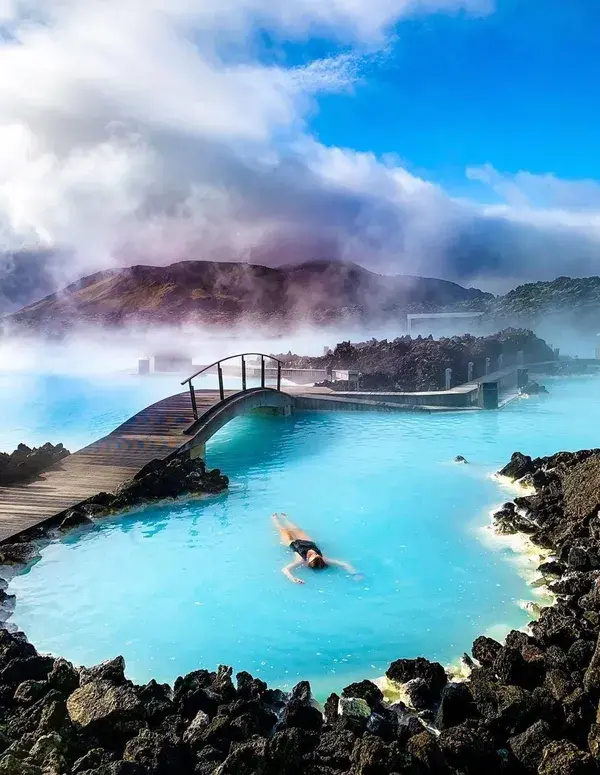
[[70, 409], [198, 583], [77, 410]]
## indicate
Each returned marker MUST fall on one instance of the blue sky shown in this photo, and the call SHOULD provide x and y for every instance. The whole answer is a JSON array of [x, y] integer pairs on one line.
[[517, 88]]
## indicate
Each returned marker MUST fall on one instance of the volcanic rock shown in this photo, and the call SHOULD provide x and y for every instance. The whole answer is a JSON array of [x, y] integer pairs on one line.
[[63, 677], [354, 707], [93, 759], [366, 690], [101, 703], [469, 749], [431, 674], [456, 705], [25, 463], [485, 650], [426, 750], [519, 466], [300, 712], [591, 680], [564, 758], [528, 746], [161, 479], [18, 553], [75, 518], [112, 670], [157, 753], [245, 758]]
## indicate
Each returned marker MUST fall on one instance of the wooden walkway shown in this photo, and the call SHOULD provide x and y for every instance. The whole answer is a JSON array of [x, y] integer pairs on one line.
[[155, 432]]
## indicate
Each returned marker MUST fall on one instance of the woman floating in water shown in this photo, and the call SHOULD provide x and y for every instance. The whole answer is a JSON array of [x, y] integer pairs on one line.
[[306, 549]]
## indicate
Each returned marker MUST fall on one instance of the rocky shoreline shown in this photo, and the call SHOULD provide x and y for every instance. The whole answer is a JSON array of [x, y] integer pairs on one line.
[[26, 463], [158, 480], [530, 705]]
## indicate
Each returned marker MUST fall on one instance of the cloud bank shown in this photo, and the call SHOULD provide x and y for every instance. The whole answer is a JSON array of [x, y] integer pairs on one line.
[[157, 130]]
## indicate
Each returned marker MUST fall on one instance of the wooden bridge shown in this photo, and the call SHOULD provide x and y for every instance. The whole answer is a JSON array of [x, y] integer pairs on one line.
[[179, 424]]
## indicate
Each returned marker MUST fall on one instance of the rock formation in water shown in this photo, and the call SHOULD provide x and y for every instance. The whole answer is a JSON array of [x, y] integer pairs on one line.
[[420, 364], [158, 480], [530, 705], [25, 463]]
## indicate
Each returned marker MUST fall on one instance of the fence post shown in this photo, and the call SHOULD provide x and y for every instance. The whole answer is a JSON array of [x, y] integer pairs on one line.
[[262, 370], [243, 373], [448, 378], [220, 374], [470, 367], [193, 398], [278, 375], [488, 363]]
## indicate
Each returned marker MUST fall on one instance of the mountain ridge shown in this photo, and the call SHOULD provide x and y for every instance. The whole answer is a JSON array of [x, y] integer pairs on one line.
[[208, 292], [319, 291]]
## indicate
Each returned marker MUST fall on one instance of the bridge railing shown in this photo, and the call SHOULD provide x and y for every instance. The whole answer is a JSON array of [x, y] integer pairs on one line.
[[218, 364]]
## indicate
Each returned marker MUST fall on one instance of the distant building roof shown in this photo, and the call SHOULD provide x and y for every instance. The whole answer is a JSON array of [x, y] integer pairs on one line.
[[422, 315]]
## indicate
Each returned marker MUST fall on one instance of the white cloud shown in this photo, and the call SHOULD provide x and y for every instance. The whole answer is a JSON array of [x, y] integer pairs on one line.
[[567, 212], [150, 130], [147, 124], [524, 189]]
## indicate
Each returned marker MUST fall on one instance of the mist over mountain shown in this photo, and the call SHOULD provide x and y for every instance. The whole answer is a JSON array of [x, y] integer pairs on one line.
[[573, 302], [218, 293], [314, 293]]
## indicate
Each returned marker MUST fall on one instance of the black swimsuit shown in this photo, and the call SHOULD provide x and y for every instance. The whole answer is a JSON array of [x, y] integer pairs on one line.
[[303, 547]]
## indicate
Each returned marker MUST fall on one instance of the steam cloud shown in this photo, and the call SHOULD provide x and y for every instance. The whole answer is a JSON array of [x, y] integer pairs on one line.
[[156, 130]]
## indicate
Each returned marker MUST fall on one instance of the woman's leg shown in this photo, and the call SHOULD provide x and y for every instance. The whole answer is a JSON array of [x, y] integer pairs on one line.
[[297, 531], [286, 534]]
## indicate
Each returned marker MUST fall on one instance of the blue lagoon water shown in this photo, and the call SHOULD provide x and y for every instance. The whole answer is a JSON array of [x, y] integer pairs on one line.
[[77, 410], [74, 410], [197, 583]]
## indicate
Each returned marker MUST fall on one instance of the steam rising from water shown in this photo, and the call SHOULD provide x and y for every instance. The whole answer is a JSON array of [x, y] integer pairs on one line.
[[90, 351]]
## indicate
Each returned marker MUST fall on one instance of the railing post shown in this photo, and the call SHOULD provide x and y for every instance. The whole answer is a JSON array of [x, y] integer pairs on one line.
[[193, 397], [243, 373], [278, 375], [220, 374], [448, 378], [262, 370]]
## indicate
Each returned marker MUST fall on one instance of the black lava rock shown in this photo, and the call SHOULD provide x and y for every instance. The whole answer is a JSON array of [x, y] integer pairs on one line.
[[519, 466], [485, 650]]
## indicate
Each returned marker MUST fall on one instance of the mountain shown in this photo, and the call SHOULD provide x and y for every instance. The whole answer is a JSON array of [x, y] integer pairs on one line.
[[573, 302], [225, 293]]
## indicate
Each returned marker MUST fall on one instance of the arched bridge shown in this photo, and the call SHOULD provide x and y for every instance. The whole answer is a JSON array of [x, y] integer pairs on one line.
[[179, 424]]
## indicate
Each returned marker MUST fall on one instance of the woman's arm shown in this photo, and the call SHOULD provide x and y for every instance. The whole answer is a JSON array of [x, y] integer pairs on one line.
[[341, 564], [287, 571]]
